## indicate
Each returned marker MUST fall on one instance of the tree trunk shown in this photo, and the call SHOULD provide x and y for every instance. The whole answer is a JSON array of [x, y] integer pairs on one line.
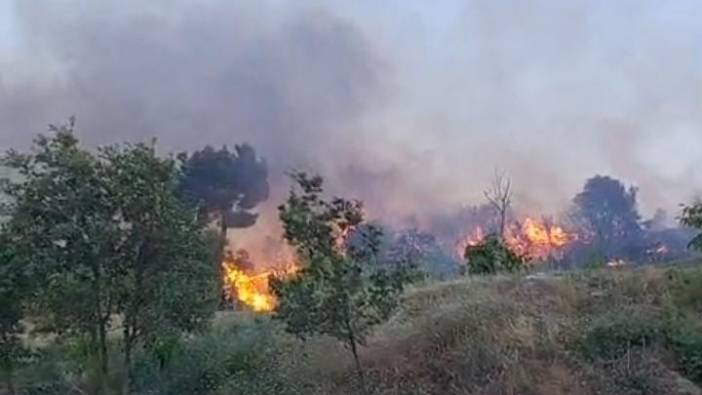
[[9, 382], [223, 225], [103, 351], [503, 215], [357, 361], [128, 345], [101, 323]]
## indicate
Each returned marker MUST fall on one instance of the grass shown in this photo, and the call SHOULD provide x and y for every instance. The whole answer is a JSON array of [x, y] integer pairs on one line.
[[607, 331]]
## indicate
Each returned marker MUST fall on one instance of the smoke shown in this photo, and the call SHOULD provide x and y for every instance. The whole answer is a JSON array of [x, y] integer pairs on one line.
[[406, 106]]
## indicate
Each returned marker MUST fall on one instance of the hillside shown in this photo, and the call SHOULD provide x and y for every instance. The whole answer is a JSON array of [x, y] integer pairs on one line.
[[609, 331], [602, 332]]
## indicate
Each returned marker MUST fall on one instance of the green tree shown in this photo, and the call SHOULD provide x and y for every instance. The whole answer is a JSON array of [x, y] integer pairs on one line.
[[607, 210], [62, 225], [13, 292], [491, 256], [225, 185], [106, 235], [692, 217], [339, 291], [167, 278]]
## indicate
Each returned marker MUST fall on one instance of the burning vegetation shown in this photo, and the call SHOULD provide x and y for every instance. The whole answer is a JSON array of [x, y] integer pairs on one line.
[[530, 238], [246, 285]]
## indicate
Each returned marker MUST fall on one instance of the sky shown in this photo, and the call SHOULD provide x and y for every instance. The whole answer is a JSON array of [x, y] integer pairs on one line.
[[410, 106]]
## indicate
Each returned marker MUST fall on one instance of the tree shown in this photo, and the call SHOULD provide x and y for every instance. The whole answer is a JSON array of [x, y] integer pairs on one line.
[[61, 225], [106, 234], [339, 291], [418, 249], [499, 196], [607, 211], [13, 293], [167, 278], [491, 256], [692, 217], [225, 185]]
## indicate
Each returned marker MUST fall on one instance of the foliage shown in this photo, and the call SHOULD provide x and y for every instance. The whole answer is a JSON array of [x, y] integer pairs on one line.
[[167, 268], [224, 184], [339, 291], [607, 210], [613, 335], [685, 330], [241, 358], [491, 255], [692, 217], [13, 293], [686, 338], [105, 234], [412, 247], [62, 229]]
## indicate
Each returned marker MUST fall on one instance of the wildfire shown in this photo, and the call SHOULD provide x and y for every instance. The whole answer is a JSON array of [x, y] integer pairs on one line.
[[250, 289], [473, 239], [537, 239], [532, 238]]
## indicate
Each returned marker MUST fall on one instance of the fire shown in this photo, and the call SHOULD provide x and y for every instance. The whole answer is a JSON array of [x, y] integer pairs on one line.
[[537, 239], [250, 289], [473, 239], [532, 238]]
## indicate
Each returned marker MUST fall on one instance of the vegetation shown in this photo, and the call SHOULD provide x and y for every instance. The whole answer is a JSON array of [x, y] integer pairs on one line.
[[100, 236], [692, 217], [109, 279], [608, 211], [499, 197], [13, 287], [491, 255], [224, 185], [606, 331], [340, 290]]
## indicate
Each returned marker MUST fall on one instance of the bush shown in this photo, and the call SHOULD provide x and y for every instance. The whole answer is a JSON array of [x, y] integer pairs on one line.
[[614, 334], [686, 339], [231, 359], [686, 286], [490, 256]]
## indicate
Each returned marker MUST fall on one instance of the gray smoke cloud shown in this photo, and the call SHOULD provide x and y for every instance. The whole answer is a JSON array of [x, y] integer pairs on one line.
[[407, 106]]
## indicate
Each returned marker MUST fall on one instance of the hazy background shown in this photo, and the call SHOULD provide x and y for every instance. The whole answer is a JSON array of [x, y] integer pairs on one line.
[[406, 105]]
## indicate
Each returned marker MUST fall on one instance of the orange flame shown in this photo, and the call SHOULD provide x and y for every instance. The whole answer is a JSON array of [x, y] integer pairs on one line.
[[474, 238], [537, 239], [250, 289], [532, 238]]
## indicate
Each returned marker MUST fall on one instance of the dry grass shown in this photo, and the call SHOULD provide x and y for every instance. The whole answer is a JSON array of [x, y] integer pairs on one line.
[[517, 335], [600, 332]]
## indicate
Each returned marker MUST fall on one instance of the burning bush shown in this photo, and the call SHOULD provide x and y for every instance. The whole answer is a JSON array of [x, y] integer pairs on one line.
[[530, 239], [492, 255], [242, 284]]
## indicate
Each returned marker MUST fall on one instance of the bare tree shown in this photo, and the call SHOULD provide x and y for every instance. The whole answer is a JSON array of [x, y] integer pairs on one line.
[[499, 195]]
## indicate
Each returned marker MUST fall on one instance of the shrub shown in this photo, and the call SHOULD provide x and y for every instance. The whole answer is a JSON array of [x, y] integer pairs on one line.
[[233, 358], [492, 255], [686, 289], [614, 334], [686, 339]]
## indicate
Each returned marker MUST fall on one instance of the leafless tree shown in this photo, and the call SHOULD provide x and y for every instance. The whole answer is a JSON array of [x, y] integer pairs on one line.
[[499, 195]]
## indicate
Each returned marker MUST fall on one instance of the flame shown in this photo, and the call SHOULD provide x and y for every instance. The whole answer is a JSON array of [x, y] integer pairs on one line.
[[474, 238], [537, 239], [251, 289], [532, 238]]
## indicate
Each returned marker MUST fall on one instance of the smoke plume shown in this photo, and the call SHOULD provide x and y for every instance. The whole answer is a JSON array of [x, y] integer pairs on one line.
[[407, 106]]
